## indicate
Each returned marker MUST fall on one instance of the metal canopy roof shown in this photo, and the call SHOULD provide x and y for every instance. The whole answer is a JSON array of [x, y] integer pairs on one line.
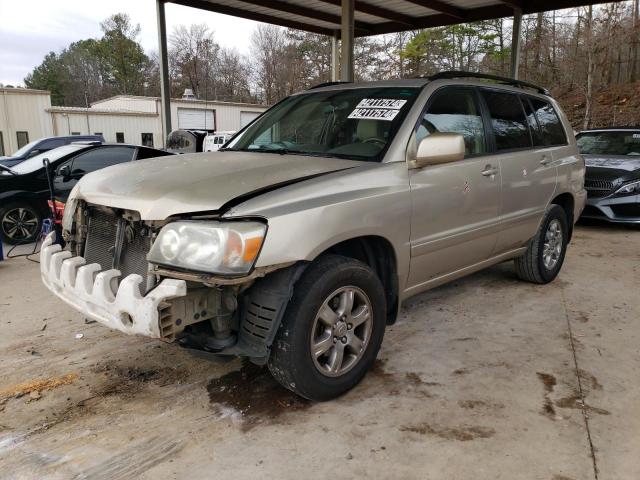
[[374, 17]]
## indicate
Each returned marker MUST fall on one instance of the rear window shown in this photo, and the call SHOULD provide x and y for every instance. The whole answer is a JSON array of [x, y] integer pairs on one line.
[[508, 120], [550, 125]]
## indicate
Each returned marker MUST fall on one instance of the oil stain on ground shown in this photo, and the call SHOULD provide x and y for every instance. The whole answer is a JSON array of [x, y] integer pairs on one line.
[[549, 382], [463, 433], [254, 393]]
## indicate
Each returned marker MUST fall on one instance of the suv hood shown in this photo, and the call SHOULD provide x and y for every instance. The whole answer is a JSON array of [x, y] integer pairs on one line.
[[160, 187]]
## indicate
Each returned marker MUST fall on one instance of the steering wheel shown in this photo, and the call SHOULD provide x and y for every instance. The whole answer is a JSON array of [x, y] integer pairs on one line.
[[375, 140]]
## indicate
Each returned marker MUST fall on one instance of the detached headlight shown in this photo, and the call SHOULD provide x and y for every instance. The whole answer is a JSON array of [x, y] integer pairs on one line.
[[629, 189], [213, 247]]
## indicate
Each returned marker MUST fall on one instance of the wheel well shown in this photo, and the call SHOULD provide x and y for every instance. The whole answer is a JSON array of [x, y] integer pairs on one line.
[[378, 254], [565, 200]]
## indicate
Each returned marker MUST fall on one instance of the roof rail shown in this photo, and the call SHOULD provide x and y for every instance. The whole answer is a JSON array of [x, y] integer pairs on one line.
[[485, 76], [327, 84]]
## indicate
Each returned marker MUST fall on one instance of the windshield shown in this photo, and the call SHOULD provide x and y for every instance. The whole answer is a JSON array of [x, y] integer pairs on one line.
[[621, 142], [356, 123], [25, 149], [35, 163]]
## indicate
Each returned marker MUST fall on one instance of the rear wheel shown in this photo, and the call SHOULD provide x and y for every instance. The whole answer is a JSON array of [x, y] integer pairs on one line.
[[332, 329], [20, 222], [545, 255]]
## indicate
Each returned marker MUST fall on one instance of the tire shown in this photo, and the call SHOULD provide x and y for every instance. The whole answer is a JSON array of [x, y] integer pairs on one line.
[[320, 377], [29, 226], [536, 267]]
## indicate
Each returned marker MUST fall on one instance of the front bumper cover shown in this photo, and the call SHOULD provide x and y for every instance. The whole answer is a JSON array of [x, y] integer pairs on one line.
[[615, 209], [94, 293]]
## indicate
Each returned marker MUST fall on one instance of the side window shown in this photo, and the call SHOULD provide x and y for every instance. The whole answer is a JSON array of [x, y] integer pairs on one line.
[[455, 110], [120, 137], [149, 153], [534, 128], [22, 138], [552, 130], [508, 120], [147, 139], [100, 158]]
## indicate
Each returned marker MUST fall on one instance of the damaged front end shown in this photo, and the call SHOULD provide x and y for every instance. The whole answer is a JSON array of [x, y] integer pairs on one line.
[[116, 270]]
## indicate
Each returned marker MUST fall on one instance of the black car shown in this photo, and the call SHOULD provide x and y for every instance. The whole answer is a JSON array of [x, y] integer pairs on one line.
[[24, 189], [44, 145], [612, 180]]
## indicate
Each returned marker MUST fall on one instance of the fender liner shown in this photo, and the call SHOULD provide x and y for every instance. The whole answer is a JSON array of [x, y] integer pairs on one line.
[[262, 307]]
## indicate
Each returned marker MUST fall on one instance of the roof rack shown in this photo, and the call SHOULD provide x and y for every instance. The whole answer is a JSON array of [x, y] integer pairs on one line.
[[485, 76], [327, 84]]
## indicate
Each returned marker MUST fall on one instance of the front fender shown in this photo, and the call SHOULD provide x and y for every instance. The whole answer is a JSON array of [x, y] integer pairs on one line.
[[307, 218]]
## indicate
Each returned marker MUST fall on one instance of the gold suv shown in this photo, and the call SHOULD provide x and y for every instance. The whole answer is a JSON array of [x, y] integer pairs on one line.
[[296, 243]]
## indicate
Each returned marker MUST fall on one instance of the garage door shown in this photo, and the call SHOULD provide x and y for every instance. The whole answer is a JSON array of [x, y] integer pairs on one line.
[[196, 119], [247, 117]]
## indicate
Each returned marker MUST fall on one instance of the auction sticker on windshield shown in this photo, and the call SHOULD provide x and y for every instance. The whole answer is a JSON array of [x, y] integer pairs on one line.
[[377, 109]]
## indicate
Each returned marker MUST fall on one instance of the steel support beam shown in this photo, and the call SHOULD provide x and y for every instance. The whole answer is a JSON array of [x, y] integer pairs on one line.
[[515, 42], [165, 87], [335, 56], [346, 41]]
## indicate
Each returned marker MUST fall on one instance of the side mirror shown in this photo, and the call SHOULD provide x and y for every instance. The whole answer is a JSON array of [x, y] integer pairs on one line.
[[65, 172], [438, 148], [35, 152]]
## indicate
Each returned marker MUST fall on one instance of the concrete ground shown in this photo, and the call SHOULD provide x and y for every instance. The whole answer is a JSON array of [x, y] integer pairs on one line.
[[486, 378]]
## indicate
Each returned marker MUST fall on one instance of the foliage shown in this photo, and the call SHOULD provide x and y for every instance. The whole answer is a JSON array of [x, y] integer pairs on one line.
[[91, 69]]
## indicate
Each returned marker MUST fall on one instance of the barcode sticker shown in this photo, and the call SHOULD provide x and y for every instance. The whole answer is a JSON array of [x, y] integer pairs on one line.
[[374, 114], [391, 103]]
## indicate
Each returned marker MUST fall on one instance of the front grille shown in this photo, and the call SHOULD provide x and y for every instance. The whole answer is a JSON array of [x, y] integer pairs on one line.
[[598, 188], [100, 246]]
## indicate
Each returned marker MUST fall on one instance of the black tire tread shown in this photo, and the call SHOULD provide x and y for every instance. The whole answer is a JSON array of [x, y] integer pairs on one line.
[[528, 265], [281, 364]]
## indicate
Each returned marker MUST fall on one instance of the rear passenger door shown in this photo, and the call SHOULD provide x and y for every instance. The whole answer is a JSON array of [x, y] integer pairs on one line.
[[527, 167], [455, 205]]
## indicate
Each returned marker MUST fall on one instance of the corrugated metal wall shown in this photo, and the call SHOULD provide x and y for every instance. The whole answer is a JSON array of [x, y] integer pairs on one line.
[[31, 111], [71, 122], [23, 110]]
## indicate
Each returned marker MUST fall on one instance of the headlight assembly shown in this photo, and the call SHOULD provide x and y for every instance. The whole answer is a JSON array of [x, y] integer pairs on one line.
[[208, 246], [629, 189]]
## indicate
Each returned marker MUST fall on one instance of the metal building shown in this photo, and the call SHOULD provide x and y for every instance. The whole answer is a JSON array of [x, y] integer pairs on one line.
[[23, 117], [27, 115]]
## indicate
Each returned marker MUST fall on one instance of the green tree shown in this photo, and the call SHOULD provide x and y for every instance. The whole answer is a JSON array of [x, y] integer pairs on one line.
[[124, 59], [49, 75]]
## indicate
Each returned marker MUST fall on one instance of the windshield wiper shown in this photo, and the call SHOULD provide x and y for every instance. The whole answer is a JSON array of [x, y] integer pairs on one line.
[[7, 169]]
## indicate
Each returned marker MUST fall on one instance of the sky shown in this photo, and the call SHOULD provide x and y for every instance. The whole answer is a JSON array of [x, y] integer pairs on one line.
[[29, 29]]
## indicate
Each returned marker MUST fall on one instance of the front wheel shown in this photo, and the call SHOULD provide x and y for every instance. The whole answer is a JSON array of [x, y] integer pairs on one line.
[[332, 329], [20, 223], [544, 257]]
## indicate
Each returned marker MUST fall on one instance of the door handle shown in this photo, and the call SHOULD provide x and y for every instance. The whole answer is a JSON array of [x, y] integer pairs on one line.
[[546, 160], [489, 171]]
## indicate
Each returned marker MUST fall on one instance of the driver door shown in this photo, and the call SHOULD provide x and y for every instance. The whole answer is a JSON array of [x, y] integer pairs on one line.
[[455, 206], [87, 162]]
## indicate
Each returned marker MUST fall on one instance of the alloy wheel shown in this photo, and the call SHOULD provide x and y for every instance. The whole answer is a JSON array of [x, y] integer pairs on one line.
[[341, 331], [20, 223], [553, 242]]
